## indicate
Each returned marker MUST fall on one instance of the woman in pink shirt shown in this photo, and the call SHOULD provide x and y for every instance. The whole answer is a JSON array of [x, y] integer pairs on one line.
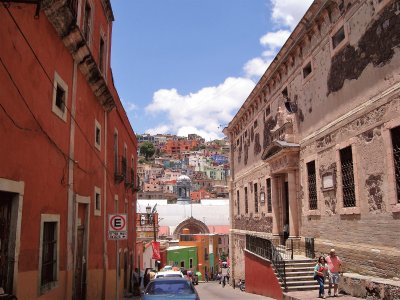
[[335, 266]]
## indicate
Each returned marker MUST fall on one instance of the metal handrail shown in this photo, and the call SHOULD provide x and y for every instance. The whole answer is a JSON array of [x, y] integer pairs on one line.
[[266, 249]]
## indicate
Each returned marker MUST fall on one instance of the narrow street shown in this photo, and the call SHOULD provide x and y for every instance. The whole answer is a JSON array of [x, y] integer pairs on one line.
[[213, 291]]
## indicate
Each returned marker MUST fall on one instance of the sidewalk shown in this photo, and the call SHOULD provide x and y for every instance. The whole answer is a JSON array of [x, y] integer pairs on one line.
[[311, 295], [132, 298]]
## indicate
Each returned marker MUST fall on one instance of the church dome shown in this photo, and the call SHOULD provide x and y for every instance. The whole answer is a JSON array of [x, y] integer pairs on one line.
[[183, 178]]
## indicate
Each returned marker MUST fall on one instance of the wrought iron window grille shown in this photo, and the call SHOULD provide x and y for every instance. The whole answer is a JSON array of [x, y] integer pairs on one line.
[[312, 186], [348, 186]]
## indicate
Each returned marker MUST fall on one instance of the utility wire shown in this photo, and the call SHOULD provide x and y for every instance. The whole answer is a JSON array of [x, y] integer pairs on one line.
[[66, 156], [51, 83]]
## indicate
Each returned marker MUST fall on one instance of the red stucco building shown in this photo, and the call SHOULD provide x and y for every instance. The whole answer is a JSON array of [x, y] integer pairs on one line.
[[67, 156], [176, 148]]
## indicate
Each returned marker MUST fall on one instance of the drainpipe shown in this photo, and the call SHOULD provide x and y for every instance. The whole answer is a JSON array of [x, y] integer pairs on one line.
[[71, 197], [105, 252], [231, 209]]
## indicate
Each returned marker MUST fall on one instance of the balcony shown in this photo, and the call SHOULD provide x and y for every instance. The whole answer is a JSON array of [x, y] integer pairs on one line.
[[283, 133], [119, 169], [62, 15]]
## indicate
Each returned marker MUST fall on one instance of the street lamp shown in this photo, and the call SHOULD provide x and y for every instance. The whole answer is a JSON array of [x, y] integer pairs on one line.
[[151, 219]]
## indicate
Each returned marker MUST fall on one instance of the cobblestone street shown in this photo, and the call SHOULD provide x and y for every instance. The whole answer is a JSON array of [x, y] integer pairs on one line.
[[214, 291]]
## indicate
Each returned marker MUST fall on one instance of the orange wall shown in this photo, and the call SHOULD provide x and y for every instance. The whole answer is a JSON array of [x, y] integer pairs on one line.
[[38, 155], [260, 277]]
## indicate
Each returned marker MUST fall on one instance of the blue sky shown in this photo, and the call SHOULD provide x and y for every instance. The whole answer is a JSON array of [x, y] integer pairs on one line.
[[186, 66]]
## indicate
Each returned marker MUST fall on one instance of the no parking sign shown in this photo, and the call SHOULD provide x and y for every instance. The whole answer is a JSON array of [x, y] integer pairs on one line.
[[117, 227]]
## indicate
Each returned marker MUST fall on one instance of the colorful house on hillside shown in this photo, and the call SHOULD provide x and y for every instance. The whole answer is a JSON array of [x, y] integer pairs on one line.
[[196, 196], [207, 249], [219, 159], [183, 257]]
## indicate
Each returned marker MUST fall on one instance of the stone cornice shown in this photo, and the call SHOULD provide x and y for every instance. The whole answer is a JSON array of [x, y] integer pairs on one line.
[[108, 10], [293, 42], [63, 19]]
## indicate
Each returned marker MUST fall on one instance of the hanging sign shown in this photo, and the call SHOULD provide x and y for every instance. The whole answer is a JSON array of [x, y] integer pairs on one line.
[[156, 250]]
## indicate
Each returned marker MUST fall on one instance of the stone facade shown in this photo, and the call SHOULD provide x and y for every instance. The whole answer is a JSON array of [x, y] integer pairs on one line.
[[326, 112]]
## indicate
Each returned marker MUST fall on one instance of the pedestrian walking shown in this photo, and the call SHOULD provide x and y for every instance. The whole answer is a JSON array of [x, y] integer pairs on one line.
[[206, 275], [136, 282], [320, 272], [335, 267]]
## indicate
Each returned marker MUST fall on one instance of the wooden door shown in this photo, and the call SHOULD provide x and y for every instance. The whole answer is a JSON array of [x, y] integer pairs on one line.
[[80, 269], [6, 262]]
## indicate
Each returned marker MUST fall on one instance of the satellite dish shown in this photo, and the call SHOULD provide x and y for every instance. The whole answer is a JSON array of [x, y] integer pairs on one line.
[[291, 107]]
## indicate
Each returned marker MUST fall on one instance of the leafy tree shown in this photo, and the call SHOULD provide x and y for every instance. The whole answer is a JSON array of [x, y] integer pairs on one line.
[[147, 149]]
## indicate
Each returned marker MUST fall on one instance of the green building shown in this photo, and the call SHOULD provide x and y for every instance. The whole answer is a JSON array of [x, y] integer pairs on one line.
[[182, 256]]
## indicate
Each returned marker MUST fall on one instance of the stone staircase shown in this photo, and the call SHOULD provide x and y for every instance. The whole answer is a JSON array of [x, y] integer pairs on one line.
[[299, 273]]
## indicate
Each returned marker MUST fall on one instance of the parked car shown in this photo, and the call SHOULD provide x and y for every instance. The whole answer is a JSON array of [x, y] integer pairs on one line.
[[167, 268], [169, 274], [167, 287]]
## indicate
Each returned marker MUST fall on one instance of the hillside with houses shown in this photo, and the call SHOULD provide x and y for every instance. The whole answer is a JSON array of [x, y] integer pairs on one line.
[[165, 157]]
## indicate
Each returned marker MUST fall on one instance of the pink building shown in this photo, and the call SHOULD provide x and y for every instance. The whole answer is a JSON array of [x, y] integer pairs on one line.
[[315, 149]]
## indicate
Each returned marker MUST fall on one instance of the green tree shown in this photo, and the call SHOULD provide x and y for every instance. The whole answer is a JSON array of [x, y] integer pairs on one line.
[[147, 149]]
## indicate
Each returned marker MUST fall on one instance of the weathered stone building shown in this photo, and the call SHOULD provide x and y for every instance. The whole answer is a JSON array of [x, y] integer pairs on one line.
[[315, 146]]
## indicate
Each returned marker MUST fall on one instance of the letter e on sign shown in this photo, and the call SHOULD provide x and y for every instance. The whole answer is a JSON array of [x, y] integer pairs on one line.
[[117, 226]]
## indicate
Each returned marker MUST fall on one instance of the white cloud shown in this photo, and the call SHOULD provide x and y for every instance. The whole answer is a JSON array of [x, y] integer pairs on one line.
[[206, 111], [256, 67], [159, 129], [129, 106], [274, 40], [289, 12], [207, 135], [285, 14]]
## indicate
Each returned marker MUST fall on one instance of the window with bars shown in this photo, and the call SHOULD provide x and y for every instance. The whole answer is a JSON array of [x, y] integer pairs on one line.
[[269, 196], [255, 198], [49, 254], [102, 55], [395, 135], [60, 98], [348, 187], [246, 201], [312, 186], [116, 169], [97, 202], [338, 37], [87, 21], [238, 202]]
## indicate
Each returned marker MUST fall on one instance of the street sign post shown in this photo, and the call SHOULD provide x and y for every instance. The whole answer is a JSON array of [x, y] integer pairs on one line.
[[117, 230], [117, 227]]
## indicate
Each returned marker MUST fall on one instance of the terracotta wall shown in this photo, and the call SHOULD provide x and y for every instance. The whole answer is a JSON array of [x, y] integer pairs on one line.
[[260, 277]]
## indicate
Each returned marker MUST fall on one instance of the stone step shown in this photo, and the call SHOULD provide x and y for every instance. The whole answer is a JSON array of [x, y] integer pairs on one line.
[[299, 263], [299, 278], [299, 269], [303, 288], [301, 283], [300, 273]]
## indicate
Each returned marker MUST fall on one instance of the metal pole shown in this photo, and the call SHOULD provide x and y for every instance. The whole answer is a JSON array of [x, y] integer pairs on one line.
[[155, 238], [154, 227], [116, 270]]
